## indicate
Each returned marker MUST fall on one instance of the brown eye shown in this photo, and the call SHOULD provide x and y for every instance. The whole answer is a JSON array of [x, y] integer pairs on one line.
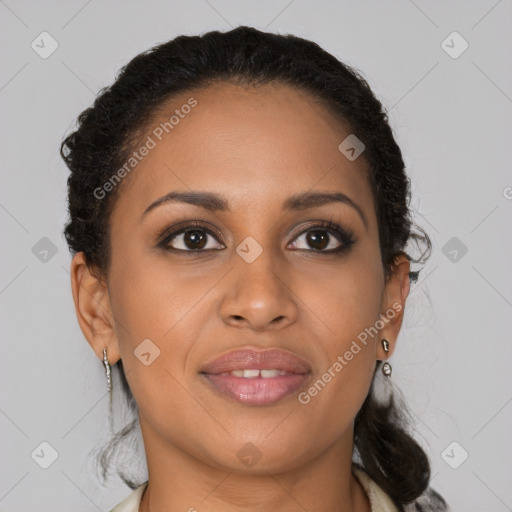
[[195, 239], [191, 240], [318, 239], [323, 237], [190, 237]]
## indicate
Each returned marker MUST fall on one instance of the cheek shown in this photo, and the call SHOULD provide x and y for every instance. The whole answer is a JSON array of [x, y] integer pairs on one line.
[[346, 304], [344, 297], [160, 312], [152, 299]]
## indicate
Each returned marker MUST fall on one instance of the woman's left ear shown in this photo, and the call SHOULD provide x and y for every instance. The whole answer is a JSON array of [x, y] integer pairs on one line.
[[394, 296]]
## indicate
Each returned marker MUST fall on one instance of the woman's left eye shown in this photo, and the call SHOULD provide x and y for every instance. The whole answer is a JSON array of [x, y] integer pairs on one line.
[[321, 238]]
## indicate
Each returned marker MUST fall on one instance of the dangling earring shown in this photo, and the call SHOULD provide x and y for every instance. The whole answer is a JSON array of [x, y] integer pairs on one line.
[[386, 367], [107, 370]]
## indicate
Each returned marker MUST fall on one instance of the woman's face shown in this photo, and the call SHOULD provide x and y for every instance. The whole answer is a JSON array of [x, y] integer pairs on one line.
[[258, 272]]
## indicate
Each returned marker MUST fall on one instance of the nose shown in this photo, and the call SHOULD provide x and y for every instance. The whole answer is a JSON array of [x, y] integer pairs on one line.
[[259, 295]]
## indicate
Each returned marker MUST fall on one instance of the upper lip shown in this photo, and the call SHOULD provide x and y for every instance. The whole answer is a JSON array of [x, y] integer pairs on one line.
[[244, 359]]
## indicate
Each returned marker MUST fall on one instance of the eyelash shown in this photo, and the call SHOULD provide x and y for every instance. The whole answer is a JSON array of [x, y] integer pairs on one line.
[[344, 236]]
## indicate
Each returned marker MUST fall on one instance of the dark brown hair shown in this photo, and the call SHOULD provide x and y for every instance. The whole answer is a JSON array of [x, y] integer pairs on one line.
[[245, 56]]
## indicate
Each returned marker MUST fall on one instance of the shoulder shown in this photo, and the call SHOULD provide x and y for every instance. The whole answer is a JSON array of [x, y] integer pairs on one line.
[[132, 501], [429, 501], [379, 500]]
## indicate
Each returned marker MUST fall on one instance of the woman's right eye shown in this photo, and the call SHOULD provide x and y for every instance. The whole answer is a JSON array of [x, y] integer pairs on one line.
[[191, 240]]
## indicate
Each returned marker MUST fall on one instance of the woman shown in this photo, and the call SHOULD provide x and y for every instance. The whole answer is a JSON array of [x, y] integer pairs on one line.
[[239, 221]]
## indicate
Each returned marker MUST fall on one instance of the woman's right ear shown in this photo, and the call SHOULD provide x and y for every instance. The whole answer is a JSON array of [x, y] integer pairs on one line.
[[93, 309]]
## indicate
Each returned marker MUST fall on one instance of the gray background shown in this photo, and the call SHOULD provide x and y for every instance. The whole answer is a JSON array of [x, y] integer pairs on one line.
[[452, 118]]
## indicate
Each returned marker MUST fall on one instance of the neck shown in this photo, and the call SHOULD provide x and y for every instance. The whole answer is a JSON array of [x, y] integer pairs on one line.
[[181, 482]]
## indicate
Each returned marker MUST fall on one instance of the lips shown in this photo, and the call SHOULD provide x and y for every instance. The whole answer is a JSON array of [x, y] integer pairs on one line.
[[258, 378], [271, 359]]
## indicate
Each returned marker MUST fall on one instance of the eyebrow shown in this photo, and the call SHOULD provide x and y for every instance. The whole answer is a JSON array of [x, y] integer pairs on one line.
[[214, 202]]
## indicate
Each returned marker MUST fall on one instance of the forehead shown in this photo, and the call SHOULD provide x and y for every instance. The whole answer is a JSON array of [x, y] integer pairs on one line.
[[255, 145]]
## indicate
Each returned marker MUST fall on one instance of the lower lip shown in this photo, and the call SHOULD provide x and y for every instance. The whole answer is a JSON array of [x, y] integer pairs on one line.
[[257, 391]]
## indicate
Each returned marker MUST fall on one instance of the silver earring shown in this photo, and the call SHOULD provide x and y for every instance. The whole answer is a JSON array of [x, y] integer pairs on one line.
[[107, 370], [386, 369]]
